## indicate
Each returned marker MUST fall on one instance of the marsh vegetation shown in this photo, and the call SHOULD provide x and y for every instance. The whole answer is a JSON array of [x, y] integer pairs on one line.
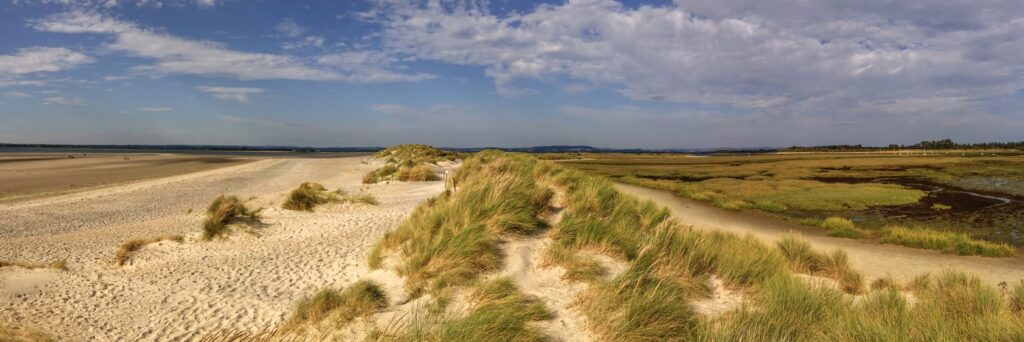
[[967, 193]]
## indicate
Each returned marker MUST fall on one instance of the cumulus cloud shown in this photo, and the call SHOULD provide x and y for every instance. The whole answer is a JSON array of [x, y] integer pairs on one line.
[[812, 56], [240, 94], [41, 59]]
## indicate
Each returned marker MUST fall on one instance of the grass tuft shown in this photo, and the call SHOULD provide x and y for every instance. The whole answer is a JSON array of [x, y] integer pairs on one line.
[[358, 300], [57, 265], [309, 195], [802, 258], [226, 210], [949, 242], [129, 247], [23, 334]]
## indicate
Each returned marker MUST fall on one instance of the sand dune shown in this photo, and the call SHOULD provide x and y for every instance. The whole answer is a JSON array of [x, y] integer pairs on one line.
[[183, 290]]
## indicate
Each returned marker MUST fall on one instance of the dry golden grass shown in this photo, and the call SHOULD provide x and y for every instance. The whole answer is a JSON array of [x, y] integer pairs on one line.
[[57, 265], [23, 334], [224, 211], [341, 306], [130, 247]]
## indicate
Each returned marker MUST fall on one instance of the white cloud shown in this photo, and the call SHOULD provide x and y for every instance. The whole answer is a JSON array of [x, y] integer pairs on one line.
[[41, 59], [156, 109], [811, 56], [369, 67], [18, 94], [178, 55], [308, 42], [240, 94], [289, 28], [63, 100]]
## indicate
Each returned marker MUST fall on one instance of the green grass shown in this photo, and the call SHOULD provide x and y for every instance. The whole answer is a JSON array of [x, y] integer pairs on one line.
[[339, 306], [803, 259], [453, 238], [949, 242], [408, 163], [224, 211], [843, 228], [498, 312], [131, 246]]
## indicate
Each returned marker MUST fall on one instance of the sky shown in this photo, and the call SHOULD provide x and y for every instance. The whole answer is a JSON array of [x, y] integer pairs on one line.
[[619, 74]]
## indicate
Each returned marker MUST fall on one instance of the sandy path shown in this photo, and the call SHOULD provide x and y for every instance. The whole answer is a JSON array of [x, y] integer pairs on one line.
[[873, 259], [176, 291]]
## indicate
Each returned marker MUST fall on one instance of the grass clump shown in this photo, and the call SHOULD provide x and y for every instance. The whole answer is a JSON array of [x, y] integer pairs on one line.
[[341, 306], [1017, 298], [57, 265], [843, 228], [949, 242], [802, 258], [577, 268], [639, 306], [129, 247], [309, 195], [226, 210], [498, 312]]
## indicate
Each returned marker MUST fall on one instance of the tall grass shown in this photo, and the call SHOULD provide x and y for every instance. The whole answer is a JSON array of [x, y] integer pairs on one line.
[[453, 239], [949, 242], [841, 227], [226, 210], [802, 258]]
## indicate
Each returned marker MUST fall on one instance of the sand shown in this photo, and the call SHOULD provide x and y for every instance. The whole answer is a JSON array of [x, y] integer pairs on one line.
[[29, 175], [180, 291], [871, 258]]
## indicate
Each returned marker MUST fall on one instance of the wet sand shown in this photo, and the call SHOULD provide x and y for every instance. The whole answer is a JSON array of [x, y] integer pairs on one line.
[[33, 175]]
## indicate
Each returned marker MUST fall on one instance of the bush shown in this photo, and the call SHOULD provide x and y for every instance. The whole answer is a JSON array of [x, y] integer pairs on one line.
[[226, 210], [949, 242]]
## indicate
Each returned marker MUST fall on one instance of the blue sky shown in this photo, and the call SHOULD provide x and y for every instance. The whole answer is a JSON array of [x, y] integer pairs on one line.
[[655, 74]]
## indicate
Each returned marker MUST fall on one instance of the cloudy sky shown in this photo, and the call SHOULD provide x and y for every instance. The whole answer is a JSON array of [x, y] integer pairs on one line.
[[656, 74]]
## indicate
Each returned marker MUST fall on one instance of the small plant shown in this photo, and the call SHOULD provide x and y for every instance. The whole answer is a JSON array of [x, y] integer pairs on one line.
[[226, 210], [309, 195], [360, 299], [128, 248], [363, 198], [940, 206]]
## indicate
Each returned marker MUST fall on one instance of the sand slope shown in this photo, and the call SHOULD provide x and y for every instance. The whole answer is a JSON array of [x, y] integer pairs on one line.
[[172, 291]]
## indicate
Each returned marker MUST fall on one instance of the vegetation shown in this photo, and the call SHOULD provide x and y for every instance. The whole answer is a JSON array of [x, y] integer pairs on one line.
[[408, 163], [498, 312], [453, 239], [949, 242], [57, 265], [358, 300], [224, 211], [309, 195], [1017, 298], [129, 247], [23, 334]]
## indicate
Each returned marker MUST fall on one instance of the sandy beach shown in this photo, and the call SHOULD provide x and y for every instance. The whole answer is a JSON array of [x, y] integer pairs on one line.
[[175, 291]]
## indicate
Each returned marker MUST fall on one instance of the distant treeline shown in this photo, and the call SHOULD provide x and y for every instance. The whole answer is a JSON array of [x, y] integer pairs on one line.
[[944, 144]]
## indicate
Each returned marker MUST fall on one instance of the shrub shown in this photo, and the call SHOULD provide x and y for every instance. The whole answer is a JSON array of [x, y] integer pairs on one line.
[[226, 210], [949, 242], [129, 247]]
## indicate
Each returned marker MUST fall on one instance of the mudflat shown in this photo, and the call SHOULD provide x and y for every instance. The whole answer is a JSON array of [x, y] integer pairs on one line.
[[32, 175]]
